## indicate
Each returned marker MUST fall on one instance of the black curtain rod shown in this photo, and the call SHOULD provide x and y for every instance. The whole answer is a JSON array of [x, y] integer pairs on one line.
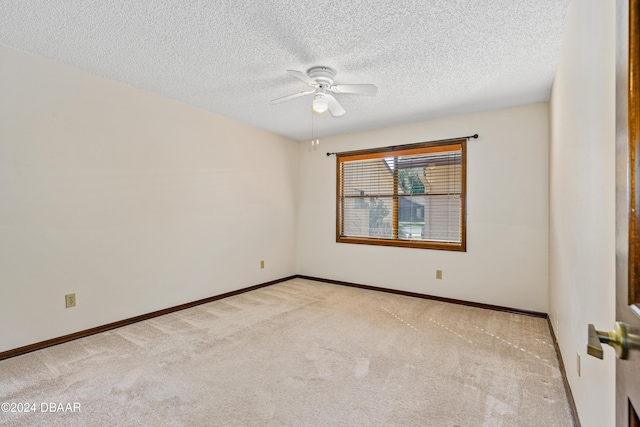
[[392, 147]]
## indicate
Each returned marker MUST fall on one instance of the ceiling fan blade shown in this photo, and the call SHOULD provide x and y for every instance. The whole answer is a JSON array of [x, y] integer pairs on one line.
[[335, 108], [289, 97], [302, 76], [363, 89]]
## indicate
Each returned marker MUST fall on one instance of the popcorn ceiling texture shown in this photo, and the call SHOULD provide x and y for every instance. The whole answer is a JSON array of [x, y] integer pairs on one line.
[[428, 59]]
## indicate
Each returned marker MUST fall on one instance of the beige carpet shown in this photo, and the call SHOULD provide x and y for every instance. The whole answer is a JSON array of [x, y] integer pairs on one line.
[[299, 353]]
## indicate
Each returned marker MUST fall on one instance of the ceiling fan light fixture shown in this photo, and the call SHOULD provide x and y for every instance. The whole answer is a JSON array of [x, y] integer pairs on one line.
[[320, 104]]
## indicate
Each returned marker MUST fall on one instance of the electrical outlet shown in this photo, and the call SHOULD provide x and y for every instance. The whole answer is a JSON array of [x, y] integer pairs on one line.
[[439, 274], [262, 264], [70, 300]]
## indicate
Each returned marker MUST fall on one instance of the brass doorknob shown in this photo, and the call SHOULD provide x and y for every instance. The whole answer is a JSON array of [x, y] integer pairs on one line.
[[619, 339]]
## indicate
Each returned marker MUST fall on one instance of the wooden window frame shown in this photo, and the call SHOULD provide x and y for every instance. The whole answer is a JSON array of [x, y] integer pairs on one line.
[[437, 146]]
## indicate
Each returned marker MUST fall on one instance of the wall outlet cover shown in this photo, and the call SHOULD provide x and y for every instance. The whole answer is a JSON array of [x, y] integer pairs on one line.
[[578, 363], [70, 300]]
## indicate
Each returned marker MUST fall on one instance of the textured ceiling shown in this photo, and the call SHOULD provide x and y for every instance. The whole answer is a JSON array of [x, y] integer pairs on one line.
[[429, 59]]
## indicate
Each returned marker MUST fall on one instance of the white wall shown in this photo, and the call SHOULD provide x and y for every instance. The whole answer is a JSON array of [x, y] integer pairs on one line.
[[507, 214], [582, 203], [130, 200]]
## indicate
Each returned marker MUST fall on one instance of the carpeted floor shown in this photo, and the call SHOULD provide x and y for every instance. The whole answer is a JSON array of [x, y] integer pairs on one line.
[[299, 353]]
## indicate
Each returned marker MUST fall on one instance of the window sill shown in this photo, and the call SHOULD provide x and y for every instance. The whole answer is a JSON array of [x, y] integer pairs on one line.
[[442, 246]]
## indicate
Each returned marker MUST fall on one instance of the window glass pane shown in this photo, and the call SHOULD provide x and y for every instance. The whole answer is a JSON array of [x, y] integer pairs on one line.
[[371, 176], [411, 212], [368, 217], [442, 218], [412, 180]]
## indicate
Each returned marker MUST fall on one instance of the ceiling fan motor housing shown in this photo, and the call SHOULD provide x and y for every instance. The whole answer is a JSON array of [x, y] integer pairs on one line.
[[323, 75]]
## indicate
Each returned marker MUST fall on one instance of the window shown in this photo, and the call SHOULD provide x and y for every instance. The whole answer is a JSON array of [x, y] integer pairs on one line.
[[410, 195]]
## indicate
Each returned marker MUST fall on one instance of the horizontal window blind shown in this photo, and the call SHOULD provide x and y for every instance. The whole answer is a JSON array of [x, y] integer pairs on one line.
[[404, 197]]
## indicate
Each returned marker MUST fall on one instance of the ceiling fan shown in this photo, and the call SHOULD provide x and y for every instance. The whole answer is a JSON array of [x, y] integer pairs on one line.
[[321, 80]]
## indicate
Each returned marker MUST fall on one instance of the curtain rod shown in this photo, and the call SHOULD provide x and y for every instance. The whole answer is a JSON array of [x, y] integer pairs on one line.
[[474, 136]]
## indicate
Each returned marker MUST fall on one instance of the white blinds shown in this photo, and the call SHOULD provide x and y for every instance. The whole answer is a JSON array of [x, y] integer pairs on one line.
[[414, 194]]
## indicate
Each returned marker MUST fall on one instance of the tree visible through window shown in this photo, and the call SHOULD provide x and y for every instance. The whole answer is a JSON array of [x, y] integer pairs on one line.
[[412, 195]]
